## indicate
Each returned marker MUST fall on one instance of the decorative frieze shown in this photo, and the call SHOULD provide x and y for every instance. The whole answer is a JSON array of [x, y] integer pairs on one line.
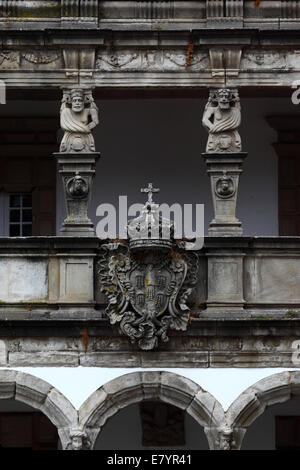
[[154, 60]]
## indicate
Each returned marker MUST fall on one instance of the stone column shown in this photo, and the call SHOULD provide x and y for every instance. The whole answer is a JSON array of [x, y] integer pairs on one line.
[[224, 159], [224, 170], [77, 160]]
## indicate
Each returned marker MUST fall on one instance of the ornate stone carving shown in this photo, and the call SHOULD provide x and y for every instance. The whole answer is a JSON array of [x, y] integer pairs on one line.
[[265, 59], [9, 59], [225, 187], [148, 280], [41, 57], [222, 117], [78, 116], [79, 440], [151, 61], [226, 438], [77, 187]]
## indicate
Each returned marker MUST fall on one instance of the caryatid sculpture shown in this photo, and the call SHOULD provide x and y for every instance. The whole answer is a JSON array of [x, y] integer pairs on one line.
[[77, 159], [78, 116], [222, 117]]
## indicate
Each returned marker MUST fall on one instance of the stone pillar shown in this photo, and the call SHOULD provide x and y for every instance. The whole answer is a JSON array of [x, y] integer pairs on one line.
[[224, 159], [224, 170], [77, 160], [77, 171]]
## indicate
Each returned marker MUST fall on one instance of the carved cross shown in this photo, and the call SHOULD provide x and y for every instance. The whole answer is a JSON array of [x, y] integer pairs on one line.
[[150, 190]]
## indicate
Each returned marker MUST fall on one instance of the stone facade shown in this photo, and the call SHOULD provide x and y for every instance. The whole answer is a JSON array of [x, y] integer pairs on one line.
[[235, 305], [78, 430]]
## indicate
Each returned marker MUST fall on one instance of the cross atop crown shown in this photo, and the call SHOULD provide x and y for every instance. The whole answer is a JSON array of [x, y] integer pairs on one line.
[[150, 190]]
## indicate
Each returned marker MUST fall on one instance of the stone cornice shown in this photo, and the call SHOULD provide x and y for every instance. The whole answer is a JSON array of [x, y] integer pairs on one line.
[[149, 15]]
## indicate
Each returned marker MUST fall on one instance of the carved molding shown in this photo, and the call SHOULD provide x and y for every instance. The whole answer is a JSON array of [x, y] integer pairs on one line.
[[215, 8], [290, 9], [151, 61], [154, 10]]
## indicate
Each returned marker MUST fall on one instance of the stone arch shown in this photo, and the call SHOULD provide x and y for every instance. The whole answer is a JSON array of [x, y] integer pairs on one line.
[[275, 389], [159, 385], [42, 396]]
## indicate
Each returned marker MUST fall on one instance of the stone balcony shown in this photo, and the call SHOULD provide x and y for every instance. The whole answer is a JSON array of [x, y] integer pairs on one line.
[[245, 309], [43, 278]]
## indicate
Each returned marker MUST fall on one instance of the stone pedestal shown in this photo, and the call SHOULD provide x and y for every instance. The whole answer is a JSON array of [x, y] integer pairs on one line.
[[77, 171], [224, 170]]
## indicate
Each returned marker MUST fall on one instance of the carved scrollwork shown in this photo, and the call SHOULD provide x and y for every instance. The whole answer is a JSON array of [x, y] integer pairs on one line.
[[147, 292]]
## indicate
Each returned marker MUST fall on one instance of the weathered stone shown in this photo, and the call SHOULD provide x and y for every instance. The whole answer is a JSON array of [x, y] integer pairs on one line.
[[36, 359], [7, 384], [151, 382], [3, 353], [23, 279], [222, 117], [59, 409], [31, 390], [224, 170], [98, 359], [88, 408], [204, 408]]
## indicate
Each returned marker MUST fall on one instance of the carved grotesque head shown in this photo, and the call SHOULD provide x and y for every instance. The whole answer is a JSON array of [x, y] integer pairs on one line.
[[224, 98], [77, 101], [226, 439], [79, 439]]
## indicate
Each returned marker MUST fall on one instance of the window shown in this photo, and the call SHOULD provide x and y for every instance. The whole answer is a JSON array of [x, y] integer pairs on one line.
[[15, 214], [20, 215]]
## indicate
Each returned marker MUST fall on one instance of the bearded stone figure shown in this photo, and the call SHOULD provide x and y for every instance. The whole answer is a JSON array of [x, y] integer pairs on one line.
[[78, 116], [222, 117]]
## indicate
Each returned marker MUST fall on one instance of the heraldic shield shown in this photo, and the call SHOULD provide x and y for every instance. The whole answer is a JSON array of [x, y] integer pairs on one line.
[[147, 279]]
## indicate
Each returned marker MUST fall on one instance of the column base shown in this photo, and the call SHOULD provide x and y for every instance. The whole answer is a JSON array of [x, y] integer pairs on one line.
[[221, 228], [80, 229]]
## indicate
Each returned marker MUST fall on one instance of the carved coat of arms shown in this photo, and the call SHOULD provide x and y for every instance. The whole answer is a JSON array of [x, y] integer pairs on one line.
[[147, 281]]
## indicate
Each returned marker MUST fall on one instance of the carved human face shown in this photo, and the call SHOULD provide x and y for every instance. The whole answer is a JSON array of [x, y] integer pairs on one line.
[[77, 104], [77, 443], [224, 99], [224, 186]]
